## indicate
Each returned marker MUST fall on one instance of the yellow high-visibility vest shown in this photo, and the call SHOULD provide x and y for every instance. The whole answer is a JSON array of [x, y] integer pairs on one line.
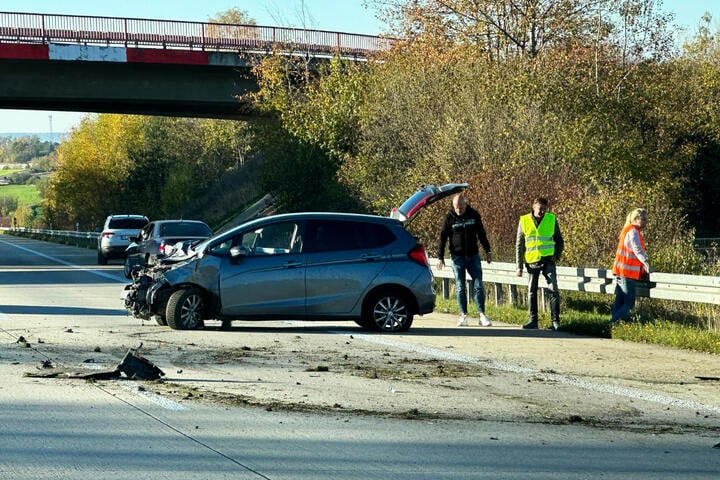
[[538, 240]]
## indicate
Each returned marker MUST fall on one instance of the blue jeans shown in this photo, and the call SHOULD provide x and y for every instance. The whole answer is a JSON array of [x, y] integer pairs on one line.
[[471, 265], [624, 299], [549, 271]]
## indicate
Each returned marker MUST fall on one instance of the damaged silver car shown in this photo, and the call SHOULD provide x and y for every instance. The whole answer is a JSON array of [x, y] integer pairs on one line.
[[307, 266]]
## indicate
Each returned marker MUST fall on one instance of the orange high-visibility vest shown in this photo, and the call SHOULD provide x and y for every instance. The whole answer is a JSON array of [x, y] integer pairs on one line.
[[627, 263]]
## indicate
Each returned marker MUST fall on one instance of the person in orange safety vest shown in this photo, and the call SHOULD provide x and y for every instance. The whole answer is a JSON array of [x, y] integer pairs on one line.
[[631, 264]]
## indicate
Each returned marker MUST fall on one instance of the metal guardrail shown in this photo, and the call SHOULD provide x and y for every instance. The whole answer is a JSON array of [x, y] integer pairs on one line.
[[141, 32], [67, 237], [666, 286]]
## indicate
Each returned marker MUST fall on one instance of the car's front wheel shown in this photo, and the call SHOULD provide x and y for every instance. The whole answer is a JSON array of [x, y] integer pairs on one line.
[[185, 309], [387, 312]]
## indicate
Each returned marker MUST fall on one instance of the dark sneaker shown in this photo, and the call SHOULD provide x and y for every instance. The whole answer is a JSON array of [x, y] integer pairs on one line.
[[556, 326], [531, 325]]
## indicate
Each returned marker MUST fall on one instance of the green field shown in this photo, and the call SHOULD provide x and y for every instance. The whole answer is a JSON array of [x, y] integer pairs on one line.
[[25, 194]]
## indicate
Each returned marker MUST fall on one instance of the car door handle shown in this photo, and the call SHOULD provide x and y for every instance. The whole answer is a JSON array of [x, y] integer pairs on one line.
[[371, 256], [292, 264]]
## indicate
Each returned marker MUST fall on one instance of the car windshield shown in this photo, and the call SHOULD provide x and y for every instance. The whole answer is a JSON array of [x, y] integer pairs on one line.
[[127, 223], [184, 230]]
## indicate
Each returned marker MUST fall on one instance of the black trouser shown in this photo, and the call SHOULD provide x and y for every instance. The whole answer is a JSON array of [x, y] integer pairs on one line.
[[549, 272]]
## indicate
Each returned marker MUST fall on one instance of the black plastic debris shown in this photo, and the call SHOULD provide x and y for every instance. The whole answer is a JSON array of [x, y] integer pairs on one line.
[[137, 367]]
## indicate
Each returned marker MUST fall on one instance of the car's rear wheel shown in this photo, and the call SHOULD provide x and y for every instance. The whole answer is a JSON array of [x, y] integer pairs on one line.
[[185, 309], [387, 312], [102, 259]]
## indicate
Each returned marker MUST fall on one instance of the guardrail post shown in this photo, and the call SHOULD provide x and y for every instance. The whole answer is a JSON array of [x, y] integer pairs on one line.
[[446, 288], [498, 293], [514, 299]]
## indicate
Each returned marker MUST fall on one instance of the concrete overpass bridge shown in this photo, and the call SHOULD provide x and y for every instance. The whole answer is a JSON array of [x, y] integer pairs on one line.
[[148, 66]]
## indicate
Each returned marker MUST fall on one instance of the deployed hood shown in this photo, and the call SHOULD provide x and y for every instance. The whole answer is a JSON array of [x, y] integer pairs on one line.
[[425, 195]]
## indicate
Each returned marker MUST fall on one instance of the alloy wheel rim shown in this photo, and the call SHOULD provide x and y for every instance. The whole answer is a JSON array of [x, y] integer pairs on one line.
[[191, 309], [390, 314]]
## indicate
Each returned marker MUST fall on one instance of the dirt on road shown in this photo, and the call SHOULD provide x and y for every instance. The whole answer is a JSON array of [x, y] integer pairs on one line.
[[435, 370]]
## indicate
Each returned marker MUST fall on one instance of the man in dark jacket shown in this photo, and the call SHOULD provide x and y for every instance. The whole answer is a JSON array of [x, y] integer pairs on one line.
[[463, 229]]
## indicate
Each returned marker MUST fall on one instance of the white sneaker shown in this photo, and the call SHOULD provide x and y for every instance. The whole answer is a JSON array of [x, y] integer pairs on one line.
[[484, 321], [462, 321]]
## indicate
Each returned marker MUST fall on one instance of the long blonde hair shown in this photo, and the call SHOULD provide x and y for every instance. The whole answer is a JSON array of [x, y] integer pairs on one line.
[[637, 212]]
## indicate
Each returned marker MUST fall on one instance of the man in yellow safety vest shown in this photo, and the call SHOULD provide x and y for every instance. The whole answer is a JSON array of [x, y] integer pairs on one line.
[[539, 244]]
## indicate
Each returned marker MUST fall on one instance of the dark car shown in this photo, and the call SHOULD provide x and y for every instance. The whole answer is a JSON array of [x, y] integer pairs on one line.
[[158, 239], [310, 266]]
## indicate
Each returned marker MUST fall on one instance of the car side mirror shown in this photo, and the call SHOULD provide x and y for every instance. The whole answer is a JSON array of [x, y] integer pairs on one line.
[[238, 251]]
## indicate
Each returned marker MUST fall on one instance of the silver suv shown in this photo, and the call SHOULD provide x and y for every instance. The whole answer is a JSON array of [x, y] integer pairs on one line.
[[309, 266], [115, 236]]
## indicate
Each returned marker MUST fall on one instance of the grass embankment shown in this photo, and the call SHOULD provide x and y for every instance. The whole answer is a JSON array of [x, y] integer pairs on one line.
[[25, 194], [594, 323]]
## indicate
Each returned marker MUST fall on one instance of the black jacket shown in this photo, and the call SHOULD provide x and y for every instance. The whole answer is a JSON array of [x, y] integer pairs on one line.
[[464, 232]]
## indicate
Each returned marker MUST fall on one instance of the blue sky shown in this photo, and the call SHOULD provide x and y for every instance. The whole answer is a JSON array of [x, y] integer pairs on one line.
[[337, 15]]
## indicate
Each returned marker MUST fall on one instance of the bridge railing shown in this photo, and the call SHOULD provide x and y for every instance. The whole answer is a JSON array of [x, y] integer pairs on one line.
[[139, 32]]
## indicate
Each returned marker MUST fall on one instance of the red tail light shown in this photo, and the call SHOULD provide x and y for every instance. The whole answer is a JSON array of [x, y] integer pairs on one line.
[[107, 234], [418, 255], [162, 248]]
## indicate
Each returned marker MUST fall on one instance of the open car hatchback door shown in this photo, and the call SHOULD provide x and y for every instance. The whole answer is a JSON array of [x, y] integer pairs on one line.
[[426, 195]]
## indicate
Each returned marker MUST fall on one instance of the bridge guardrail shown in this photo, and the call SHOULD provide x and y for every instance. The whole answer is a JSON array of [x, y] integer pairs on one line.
[[135, 32], [666, 286]]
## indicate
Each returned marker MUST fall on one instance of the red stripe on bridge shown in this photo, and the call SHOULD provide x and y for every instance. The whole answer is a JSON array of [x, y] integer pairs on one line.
[[22, 51], [184, 57]]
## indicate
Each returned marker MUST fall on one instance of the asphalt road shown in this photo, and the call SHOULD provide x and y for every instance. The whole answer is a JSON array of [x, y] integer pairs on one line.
[[68, 311]]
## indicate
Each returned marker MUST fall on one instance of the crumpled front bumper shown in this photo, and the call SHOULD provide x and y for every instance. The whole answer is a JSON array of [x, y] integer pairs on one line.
[[144, 297]]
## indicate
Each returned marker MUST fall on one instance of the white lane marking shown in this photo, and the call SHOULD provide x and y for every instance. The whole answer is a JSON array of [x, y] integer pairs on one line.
[[564, 379], [68, 264], [152, 397]]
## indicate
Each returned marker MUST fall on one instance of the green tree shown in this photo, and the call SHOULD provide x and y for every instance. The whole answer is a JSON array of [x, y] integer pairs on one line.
[[24, 149], [232, 23], [234, 16], [150, 165], [507, 28]]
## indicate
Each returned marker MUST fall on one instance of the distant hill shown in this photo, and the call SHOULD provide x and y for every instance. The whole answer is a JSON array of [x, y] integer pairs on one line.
[[43, 136]]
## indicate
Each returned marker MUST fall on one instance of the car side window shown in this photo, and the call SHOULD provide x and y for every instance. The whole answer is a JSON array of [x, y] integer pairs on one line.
[[332, 235], [273, 239], [145, 232]]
